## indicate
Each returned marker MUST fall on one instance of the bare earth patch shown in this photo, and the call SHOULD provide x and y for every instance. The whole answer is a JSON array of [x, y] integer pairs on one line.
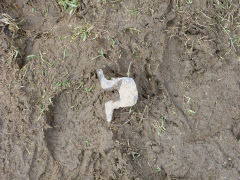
[[184, 56]]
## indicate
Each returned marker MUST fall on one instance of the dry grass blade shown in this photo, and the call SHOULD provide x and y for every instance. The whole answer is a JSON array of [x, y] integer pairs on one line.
[[6, 20]]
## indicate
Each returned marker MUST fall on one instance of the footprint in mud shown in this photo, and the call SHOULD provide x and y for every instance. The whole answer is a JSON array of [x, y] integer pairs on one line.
[[76, 138]]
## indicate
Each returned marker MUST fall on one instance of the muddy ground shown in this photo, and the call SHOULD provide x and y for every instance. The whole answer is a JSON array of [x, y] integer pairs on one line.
[[185, 58]]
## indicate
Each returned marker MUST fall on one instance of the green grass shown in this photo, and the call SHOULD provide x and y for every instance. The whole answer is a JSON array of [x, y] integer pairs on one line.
[[134, 30], [89, 89], [81, 86], [135, 155], [158, 169], [133, 11], [189, 1], [100, 54], [42, 111], [192, 112], [32, 56], [87, 142], [43, 59], [83, 32], [45, 12], [237, 42], [64, 54], [44, 71], [113, 42], [15, 53], [129, 68], [63, 84], [160, 127], [69, 5], [163, 120]]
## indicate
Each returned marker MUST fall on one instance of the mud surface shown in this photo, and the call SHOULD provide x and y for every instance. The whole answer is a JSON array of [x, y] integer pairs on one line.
[[184, 57]]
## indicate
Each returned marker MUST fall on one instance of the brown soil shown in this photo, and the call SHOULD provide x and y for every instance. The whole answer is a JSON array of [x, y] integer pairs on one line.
[[185, 58]]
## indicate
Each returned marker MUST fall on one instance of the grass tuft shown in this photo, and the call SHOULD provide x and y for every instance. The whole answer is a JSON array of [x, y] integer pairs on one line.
[[83, 32], [69, 5]]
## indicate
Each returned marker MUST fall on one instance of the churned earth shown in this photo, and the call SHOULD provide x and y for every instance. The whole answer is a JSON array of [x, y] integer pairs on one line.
[[184, 56]]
